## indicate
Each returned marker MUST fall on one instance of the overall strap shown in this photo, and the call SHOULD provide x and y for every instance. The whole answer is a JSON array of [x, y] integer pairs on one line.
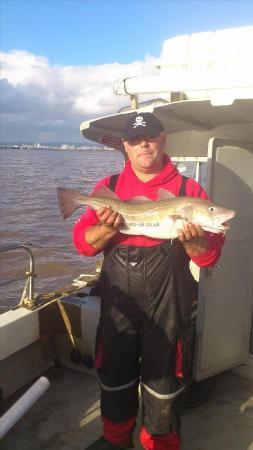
[[113, 181], [182, 190]]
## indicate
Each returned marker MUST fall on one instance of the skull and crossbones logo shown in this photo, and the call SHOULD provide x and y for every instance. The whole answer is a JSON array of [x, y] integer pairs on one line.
[[139, 122]]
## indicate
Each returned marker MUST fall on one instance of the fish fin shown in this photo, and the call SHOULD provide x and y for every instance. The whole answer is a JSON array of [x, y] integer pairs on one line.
[[68, 200], [186, 212], [104, 192], [177, 218], [138, 199], [163, 194]]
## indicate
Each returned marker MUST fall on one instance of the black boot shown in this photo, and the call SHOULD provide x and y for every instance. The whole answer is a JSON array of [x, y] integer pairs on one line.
[[103, 444]]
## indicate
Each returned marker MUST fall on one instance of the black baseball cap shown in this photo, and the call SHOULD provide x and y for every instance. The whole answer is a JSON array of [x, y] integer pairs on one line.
[[142, 124]]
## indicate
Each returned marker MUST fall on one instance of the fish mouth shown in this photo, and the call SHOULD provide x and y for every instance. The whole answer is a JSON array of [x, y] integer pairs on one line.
[[223, 224], [216, 228], [220, 225], [223, 228]]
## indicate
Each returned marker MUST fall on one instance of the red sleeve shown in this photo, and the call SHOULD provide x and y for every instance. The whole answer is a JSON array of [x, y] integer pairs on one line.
[[84, 222], [215, 240]]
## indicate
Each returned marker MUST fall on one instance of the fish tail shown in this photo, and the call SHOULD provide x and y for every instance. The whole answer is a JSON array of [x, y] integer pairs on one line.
[[69, 201]]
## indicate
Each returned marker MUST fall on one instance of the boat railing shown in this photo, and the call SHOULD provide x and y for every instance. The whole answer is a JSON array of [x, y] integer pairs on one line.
[[27, 298]]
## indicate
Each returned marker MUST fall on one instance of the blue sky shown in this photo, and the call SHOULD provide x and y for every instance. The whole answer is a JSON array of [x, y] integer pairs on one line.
[[101, 31], [60, 57]]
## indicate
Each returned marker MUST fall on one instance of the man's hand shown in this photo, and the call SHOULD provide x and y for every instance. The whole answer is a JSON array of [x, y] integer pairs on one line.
[[109, 218], [189, 232], [193, 239], [100, 235]]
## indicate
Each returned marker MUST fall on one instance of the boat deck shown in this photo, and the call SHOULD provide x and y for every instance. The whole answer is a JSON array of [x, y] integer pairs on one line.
[[67, 416]]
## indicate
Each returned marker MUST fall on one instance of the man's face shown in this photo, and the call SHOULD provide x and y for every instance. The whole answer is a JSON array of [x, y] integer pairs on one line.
[[146, 153]]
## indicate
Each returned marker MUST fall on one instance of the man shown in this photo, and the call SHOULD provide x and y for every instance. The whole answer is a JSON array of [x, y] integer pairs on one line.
[[147, 293]]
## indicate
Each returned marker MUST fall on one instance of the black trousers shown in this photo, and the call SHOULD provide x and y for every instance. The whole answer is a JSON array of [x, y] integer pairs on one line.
[[147, 295]]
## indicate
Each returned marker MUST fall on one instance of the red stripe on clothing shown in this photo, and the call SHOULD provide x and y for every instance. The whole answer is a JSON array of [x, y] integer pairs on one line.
[[162, 442], [119, 433], [179, 360], [98, 356]]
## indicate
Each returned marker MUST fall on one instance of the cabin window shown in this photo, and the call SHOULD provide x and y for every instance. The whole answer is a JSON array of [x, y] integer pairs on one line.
[[193, 168]]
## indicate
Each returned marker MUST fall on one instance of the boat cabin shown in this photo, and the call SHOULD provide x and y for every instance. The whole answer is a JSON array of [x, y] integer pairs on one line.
[[207, 113]]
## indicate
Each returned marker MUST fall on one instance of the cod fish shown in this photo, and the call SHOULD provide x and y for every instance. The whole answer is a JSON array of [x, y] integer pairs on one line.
[[161, 219]]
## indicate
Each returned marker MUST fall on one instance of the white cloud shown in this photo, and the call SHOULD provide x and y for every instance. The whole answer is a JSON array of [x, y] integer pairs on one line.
[[41, 101]]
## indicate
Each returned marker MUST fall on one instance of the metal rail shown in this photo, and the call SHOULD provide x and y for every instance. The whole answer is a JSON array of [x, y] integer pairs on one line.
[[29, 275]]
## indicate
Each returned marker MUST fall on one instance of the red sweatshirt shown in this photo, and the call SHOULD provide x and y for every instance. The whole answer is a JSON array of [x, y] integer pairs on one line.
[[129, 186]]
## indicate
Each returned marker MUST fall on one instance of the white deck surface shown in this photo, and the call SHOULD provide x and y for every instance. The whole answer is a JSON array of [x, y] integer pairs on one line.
[[67, 417]]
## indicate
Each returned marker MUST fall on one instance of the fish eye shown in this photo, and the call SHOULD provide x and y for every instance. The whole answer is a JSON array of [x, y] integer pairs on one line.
[[211, 208]]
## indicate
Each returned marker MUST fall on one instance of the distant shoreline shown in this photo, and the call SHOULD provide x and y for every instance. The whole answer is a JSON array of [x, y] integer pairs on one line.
[[42, 147]]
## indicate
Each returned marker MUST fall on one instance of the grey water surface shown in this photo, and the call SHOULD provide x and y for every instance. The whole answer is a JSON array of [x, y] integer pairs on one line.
[[29, 212]]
